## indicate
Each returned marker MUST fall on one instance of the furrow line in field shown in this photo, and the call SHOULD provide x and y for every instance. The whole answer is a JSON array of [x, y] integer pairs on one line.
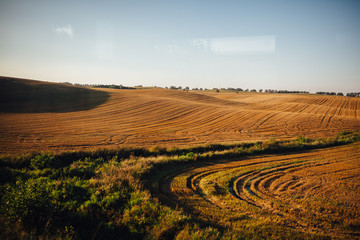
[[269, 186]]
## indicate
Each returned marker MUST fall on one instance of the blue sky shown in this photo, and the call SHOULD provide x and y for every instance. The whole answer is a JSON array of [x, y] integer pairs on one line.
[[293, 45]]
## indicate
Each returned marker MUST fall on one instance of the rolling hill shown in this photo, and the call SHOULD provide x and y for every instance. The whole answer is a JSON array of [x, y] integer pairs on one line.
[[37, 116]]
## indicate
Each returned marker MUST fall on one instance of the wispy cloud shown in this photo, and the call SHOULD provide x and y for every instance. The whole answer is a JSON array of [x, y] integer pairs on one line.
[[237, 45], [201, 43], [67, 30]]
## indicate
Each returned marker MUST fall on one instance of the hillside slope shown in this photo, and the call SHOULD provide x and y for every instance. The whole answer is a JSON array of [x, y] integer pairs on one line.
[[29, 96], [149, 117]]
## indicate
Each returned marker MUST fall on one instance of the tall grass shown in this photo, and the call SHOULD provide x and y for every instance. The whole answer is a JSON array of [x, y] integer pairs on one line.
[[102, 194], [208, 151]]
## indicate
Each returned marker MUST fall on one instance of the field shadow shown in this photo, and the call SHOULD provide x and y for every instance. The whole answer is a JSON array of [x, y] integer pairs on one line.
[[29, 96]]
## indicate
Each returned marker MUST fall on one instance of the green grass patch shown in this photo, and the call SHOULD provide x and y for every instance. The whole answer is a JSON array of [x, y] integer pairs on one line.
[[104, 194]]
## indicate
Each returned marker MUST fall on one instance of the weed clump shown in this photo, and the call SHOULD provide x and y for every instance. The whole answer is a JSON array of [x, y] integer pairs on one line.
[[45, 161]]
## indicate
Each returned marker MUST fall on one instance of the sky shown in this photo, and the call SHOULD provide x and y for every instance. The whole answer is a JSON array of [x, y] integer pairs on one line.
[[308, 45]]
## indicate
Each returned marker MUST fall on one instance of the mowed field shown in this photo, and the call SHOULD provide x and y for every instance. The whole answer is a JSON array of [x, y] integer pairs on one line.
[[41, 116], [282, 184], [314, 192]]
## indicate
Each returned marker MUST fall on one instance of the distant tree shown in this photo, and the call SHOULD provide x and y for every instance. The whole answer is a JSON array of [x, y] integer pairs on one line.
[[253, 90], [340, 94], [67, 83], [260, 90]]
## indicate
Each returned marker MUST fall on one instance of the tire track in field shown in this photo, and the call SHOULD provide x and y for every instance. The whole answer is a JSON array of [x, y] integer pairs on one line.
[[281, 188]]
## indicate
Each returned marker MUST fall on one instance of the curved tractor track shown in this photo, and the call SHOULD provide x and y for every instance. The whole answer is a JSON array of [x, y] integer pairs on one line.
[[313, 192]]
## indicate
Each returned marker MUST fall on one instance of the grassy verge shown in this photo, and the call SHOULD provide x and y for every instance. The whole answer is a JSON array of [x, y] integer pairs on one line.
[[102, 194]]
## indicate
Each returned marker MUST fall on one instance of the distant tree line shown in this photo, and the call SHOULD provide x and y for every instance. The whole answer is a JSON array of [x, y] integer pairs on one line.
[[113, 86], [260, 90], [353, 94], [330, 93], [284, 91], [99, 85]]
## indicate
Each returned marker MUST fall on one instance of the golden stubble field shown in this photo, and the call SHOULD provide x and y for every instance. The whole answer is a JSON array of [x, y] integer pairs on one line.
[[73, 118], [314, 191]]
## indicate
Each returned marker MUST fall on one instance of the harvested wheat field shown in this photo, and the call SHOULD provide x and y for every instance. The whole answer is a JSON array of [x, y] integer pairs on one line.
[[43, 116], [183, 165], [313, 192]]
